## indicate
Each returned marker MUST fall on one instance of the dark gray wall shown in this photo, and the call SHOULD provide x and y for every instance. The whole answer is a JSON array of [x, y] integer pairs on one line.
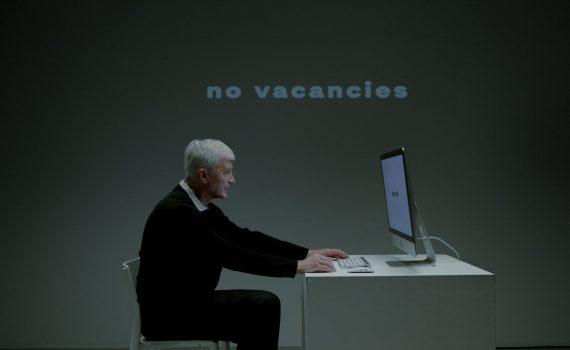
[[100, 98]]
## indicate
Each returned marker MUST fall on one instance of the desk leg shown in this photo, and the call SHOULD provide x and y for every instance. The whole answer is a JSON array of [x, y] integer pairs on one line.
[[303, 312]]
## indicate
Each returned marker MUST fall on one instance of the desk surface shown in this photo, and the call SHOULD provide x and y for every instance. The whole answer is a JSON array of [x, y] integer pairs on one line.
[[445, 266]]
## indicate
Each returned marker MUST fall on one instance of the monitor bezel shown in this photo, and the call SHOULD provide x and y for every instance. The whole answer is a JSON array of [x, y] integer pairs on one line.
[[397, 152]]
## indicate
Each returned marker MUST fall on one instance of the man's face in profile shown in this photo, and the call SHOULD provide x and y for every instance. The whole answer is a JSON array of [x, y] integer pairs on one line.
[[220, 178]]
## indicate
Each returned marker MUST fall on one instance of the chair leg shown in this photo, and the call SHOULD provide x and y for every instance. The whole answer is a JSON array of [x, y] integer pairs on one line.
[[135, 335]]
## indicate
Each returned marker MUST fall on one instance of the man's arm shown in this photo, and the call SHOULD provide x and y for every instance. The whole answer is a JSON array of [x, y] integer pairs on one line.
[[237, 258], [186, 236], [261, 242], [254, 240]]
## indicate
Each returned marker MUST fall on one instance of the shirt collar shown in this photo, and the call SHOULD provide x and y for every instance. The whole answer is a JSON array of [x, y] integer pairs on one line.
[[199, 205]]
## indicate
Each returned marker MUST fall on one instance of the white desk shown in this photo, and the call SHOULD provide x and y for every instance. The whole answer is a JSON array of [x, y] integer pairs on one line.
[[447, 306]]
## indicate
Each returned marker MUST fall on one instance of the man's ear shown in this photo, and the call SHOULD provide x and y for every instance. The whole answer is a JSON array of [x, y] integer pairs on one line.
[[202, 176]]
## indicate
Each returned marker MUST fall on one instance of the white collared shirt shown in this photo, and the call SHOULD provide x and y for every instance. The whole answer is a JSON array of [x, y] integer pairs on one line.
[[199, 205]]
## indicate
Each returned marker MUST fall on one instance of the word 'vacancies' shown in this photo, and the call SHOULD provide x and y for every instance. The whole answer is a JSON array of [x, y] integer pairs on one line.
[[312, 92]]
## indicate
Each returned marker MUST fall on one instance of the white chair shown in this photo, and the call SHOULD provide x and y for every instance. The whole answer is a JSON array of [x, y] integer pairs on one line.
[[138, 342]]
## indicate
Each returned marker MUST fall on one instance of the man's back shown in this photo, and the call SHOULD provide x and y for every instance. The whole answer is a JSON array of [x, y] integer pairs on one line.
[[173, 235]]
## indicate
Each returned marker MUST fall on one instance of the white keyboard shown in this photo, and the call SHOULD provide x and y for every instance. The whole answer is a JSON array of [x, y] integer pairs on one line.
[[351, 263]]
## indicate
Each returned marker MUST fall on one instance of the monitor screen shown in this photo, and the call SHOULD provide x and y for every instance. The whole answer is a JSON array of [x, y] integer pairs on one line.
[[396, 192]]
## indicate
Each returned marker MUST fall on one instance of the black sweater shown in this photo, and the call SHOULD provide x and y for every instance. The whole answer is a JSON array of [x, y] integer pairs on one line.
[[183, 251]]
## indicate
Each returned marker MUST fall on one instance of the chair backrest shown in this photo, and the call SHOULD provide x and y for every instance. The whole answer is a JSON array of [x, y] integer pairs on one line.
[[131, 269]]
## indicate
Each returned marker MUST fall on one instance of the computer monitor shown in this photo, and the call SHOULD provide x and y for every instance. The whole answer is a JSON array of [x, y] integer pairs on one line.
[[404, 221]]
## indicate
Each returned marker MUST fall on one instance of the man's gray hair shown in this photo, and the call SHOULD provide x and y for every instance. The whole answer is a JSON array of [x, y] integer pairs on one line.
[[205, 154]]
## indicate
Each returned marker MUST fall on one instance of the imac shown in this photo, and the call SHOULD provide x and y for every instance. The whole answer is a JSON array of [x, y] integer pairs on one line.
[[404, 220]]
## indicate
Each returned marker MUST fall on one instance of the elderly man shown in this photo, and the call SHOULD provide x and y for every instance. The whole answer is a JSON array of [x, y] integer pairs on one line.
[[186, 242]]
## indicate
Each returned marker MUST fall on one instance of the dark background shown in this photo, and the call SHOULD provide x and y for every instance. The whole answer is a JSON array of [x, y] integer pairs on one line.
[[100, 98]]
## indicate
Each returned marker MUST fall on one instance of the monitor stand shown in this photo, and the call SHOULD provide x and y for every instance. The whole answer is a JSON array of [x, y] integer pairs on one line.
[[430, 258]]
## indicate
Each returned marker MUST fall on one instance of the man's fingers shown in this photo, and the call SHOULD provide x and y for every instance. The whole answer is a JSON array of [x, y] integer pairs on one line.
[[339, 253], [323, 266], [322, 263], [327, 261], [334, 253], [327, 264]]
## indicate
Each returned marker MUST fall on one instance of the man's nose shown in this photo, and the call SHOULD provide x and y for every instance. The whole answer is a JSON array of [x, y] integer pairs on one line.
[[232, 180]]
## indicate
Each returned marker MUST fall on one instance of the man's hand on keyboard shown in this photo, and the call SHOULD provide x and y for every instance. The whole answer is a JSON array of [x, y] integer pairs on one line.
[[333, 253], [315, 263]]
